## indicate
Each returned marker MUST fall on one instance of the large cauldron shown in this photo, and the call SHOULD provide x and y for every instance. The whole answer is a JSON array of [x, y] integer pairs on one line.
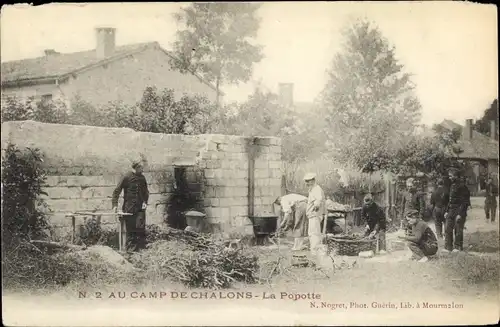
[[264, 224]]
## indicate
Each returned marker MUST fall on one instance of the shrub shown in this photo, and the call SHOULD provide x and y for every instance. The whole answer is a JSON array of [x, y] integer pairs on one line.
[[93, 233], [22, 208]]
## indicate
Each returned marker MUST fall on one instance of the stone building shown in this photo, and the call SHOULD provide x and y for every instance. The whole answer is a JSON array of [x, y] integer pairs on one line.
[[98, 76]]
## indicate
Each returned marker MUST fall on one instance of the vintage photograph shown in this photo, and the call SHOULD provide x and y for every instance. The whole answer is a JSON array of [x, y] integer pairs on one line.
[[249, 164]]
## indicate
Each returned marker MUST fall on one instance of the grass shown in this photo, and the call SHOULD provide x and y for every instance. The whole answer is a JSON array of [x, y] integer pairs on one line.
[[482, 241]]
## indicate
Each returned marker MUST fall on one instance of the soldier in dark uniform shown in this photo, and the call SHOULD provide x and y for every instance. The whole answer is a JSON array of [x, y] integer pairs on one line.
[[439, 201], [375, 219], [456, 213], [413, 199], [490, 203], [135, 200]]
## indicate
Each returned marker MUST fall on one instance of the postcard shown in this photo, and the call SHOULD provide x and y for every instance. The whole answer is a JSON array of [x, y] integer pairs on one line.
[[250, 164]]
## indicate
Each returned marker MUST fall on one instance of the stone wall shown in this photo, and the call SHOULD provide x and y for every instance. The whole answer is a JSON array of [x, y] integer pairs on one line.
[[85, 164]]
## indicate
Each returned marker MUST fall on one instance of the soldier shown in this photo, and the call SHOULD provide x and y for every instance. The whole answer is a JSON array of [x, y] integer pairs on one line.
[[315, 211], [135, 200], [293, 207], [413, 199], [490, 203], [456, 213], [439, 201], [374, 216], [422, 241]]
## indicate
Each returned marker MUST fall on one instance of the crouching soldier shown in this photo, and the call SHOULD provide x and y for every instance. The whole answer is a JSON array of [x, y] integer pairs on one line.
[[293, 208], [413, 199], [422, 241], [456, 213], [374, 216]]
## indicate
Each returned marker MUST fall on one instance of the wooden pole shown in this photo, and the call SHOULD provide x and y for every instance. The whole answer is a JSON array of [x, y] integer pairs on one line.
[[251, 179]]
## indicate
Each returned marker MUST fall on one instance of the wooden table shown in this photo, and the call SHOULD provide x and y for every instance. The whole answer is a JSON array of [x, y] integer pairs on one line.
[[122, 230]]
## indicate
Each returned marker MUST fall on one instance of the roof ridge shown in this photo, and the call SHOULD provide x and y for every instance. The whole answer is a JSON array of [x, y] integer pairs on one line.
[[79, 52]]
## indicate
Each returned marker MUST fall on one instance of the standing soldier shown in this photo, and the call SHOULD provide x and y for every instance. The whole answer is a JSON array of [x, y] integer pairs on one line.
[[413, 199], [135, 200], [439, 201], [315, 211], [293, 207], [456, 213], [490, 203]]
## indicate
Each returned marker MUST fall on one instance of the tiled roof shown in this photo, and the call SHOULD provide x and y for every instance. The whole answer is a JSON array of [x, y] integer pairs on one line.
[[479, 146], [57, 65], [62, 64]]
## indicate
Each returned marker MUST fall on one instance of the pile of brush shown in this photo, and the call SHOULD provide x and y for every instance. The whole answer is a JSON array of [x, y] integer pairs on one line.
[[194, 260]]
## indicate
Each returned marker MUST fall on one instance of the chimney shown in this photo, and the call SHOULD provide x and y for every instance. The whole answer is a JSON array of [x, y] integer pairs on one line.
[[286, 94], [467, 132], [493, 130], [50, 52], [105, 45]]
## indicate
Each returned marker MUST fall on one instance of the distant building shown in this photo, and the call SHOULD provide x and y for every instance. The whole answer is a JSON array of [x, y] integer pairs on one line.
[[479, 150], [106, 73], [286, 99]]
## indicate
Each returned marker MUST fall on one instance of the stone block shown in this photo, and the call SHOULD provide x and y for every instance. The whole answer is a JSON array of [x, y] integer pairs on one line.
[[262, 173], [241, 182], [262, 182], [62, 205], [275, 182], [275, 173], [273, 156], [211, 202], [97, 192], [240, 174], [239, 211], [233, 201], [72, 192], [275, 164], [220, 212], [261, 164], [214, 173], [214, 164], [51, 181], [274, 149], [237, 191]]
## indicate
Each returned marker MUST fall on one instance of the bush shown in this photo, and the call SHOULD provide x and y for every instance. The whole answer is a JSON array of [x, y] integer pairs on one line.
[[93, 233], [156, 112], [23, 211]]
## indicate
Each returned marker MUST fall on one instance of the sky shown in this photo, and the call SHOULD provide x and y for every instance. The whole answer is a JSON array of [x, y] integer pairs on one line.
[[449, 47]]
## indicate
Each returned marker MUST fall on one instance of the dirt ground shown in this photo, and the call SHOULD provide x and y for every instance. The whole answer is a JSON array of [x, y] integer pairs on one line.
[[393, 289]]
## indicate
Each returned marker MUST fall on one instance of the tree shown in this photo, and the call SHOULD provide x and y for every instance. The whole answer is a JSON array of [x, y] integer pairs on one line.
[[160, 112], [491, 114], [368, 100], [216, 41]]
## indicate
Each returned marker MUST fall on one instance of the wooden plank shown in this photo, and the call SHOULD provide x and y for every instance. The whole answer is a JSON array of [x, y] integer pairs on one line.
[[52, 245], [90, 213]]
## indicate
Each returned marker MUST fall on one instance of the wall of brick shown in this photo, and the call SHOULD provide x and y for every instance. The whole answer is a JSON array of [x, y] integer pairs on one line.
[[85, 164]]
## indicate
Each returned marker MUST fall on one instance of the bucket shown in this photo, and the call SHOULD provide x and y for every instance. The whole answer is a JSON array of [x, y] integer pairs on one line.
[[194, 219]]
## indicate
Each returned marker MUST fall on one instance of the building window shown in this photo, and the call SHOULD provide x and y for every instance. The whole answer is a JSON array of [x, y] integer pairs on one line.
[[46, 98]]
